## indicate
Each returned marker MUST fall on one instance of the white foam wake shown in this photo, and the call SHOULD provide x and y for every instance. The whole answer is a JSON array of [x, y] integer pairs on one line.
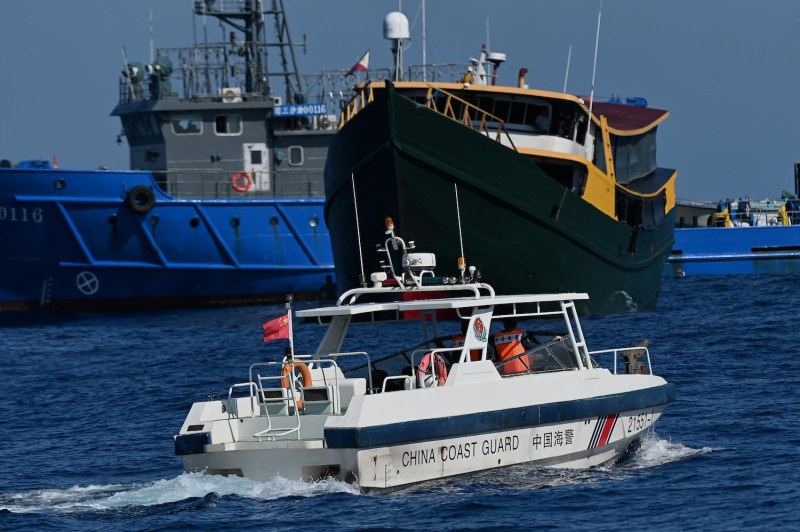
[[180, 488], [655, 452]]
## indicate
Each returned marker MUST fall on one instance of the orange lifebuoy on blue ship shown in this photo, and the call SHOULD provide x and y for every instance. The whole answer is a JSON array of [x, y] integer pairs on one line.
[[241, 181]]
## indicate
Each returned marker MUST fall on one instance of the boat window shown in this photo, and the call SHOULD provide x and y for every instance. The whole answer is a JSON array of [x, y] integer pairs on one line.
[[517, 115], [501, 108], [295, 155], [187, 125], [555, 355], [140, 126], [228, 125], [538, 116], [486, 104]]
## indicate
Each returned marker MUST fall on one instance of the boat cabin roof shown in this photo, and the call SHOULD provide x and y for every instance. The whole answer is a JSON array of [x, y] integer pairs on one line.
[[437, 304], [623, 120], [627, 119]]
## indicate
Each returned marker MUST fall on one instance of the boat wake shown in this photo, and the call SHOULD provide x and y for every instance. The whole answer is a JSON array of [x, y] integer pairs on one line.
[[195, 491], [655, 452], [186, 491]]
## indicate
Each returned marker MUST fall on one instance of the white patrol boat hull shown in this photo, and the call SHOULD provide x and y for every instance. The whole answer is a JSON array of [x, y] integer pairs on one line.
[[448, 430]]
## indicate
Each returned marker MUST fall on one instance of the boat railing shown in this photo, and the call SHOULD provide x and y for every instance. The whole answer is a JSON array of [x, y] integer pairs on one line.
[[257, 393], [286, 399], [406, 381], [634, 360], [272, 391], [754, 218], [433, 353], [467, 114], [321, 397], [335, 356], [207, 72], [444, 103], [203, 183], [351, 296]]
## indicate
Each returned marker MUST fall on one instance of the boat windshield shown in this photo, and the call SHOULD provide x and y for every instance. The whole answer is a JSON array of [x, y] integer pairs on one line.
[[556, 355]]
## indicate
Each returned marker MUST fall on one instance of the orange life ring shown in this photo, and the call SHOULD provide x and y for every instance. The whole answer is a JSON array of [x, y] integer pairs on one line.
[[241, 181], [286, 380], [425, 370]]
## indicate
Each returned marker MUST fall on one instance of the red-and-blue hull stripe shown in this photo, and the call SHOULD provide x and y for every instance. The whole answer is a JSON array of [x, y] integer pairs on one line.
[[603, 430]]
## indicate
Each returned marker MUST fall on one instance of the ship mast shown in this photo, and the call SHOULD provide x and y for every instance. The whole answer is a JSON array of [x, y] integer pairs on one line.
[[247, 16]]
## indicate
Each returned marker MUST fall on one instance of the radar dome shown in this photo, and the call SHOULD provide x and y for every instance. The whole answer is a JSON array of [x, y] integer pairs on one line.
[[395, 26]]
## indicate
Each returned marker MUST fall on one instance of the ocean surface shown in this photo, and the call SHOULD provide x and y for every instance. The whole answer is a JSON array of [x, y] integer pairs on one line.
[[90, 403]]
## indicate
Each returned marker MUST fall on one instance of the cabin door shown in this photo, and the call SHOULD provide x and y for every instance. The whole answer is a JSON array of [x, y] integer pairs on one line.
[[256, 163]]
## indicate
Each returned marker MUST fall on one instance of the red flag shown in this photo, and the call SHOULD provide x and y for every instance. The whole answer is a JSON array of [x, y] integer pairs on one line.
[[277, 328], [363, 64]]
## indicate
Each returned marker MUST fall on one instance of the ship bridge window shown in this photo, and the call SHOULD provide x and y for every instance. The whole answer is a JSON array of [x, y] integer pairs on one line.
[[501, 108], [295, 155], [187, 125], [140, 126], [517, 115], [228, 125], [538, 116]]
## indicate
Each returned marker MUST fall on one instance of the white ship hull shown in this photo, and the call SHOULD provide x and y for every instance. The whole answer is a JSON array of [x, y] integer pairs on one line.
[[404, 417]]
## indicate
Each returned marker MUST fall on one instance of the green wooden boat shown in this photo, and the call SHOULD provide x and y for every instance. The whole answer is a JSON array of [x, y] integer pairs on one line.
[[541, 191]]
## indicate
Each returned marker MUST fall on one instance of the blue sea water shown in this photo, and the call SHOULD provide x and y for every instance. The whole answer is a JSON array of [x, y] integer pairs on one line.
[[90, 403]]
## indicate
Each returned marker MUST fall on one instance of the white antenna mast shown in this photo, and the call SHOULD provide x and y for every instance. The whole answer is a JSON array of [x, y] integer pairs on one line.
[[461, 260], [152, 51], [358, 230], [566, 75], [424, 46], [594, 66]]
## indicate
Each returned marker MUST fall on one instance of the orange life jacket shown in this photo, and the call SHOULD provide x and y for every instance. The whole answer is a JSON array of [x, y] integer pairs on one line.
[[508, 345]]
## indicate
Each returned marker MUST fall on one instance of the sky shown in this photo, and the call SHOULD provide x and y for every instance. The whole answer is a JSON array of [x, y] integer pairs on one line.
[[727, 70]]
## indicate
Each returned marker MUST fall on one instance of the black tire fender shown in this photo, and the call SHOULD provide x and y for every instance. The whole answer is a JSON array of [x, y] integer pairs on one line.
[[141, 199]]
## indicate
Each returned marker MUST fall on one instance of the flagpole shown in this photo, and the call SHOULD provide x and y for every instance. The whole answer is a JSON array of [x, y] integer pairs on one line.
[[291, 332]]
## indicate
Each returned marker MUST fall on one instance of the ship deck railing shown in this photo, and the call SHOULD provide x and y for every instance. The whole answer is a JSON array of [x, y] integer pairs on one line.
[[467, 114], [450, 106], [216, 184], [271, 398], [631, 360], [754, 218]]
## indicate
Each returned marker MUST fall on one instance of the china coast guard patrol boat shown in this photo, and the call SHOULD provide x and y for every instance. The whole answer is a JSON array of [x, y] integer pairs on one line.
[[430, 410]]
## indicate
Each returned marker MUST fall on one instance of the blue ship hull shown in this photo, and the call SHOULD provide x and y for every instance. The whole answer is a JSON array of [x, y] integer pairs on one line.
[[771, 249], [83, 240]]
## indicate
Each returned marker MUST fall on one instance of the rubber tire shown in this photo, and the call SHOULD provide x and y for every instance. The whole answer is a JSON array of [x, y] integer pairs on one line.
[[141, 199]]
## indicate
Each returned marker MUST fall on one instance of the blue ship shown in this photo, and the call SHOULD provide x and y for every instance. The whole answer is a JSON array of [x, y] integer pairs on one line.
[[223, 205], [735, 237]]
